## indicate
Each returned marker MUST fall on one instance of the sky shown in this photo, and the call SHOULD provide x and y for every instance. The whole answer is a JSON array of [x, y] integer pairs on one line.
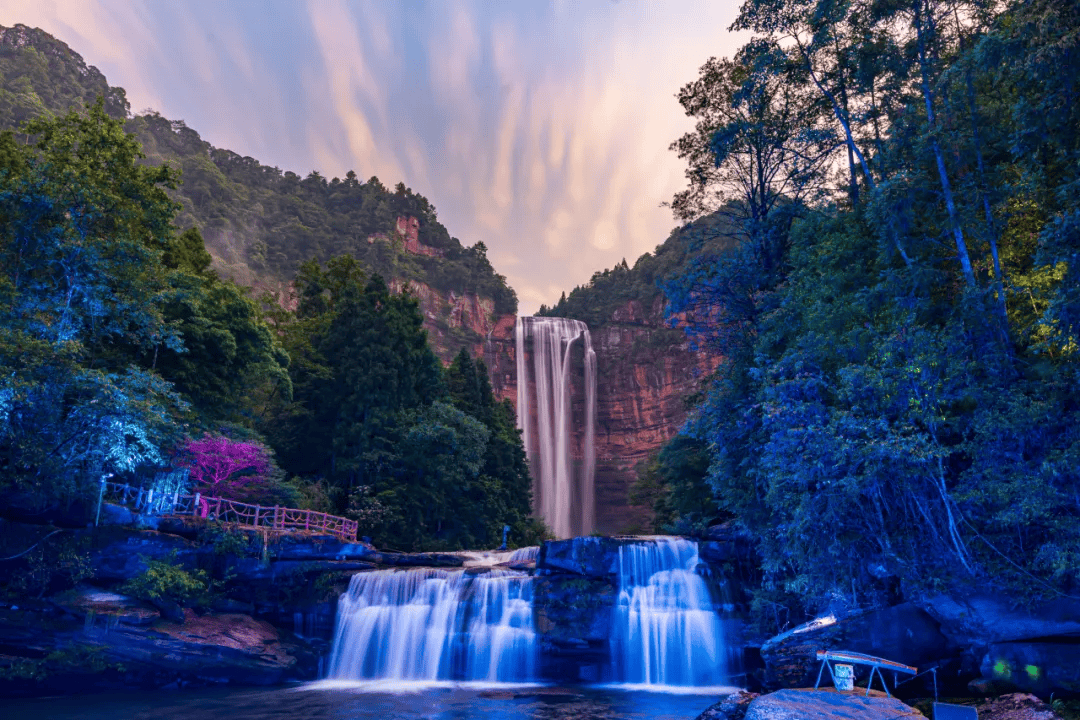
[[540, 128]]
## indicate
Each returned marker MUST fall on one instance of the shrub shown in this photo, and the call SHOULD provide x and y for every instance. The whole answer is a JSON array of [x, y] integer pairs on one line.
[[165, 582]]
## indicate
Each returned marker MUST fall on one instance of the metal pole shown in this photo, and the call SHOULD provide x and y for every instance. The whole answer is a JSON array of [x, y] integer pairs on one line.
[[100, 497]]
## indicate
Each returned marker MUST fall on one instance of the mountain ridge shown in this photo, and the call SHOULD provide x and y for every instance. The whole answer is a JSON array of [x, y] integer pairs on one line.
[[259, 222]]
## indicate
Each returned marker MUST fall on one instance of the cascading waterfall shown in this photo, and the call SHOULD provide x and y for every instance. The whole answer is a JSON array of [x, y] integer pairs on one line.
[[431, 625], [567, 507], [666, 629]]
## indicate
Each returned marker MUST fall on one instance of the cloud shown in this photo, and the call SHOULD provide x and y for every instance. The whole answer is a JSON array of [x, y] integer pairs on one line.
[[540, 129]]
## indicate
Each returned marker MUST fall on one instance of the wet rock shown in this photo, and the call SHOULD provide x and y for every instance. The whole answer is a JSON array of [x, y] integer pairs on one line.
[[593, 557], [416, 559], [573, 622], [1034, 649], [572, 611], [827, 705], [733, 707]]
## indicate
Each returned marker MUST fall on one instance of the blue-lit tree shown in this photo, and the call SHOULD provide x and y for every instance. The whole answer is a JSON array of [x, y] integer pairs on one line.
[[82, 229]]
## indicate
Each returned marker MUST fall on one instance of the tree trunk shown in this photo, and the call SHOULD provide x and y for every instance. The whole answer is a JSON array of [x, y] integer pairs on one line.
[[939, 157]]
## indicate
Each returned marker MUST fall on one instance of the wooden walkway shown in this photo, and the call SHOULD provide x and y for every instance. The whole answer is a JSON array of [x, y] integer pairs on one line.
[[230, 511]]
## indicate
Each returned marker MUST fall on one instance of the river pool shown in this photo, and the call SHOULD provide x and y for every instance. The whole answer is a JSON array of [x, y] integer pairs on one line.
[[322, 701]]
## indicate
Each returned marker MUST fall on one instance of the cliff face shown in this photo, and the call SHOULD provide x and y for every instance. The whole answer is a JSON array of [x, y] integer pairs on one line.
[[645, 371]]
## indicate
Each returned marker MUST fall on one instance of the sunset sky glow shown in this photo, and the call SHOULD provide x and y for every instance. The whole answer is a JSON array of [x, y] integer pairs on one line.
[[539, 128]]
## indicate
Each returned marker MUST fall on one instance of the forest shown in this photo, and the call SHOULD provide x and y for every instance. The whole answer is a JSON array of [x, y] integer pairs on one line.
[[894, 187], [880, 224], [123, 352]]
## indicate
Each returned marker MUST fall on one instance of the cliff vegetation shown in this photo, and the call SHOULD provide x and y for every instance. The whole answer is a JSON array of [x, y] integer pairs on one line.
[[896, 413]]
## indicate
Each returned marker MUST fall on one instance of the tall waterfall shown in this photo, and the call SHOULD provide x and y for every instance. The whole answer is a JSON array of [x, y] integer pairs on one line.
[[545, 416], [435, 625], [666, 630]]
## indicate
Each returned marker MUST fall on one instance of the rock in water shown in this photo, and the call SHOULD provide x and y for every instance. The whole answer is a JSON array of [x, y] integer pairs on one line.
[[827, 705], [733, 707]]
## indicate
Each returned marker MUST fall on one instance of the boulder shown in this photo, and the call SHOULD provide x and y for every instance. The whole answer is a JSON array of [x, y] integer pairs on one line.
[[1034, 666], [903, 633], [115, 515], [827, 705], [573, 624], [733, 707], [978, 620], [118, 553]]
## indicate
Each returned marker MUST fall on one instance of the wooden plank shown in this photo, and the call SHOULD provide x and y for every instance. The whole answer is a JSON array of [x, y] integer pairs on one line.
[[863, 659]]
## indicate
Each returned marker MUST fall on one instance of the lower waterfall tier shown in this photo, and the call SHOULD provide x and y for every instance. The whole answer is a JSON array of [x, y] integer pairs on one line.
[[666, 628], [436, 625]]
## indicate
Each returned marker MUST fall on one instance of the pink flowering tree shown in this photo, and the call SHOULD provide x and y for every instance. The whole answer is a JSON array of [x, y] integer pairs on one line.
[[234, 469]]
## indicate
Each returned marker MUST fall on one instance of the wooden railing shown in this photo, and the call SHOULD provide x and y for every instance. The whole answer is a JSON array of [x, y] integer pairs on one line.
[[231, 511]]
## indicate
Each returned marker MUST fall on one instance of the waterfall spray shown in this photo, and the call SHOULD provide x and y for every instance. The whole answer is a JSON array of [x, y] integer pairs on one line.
[[568, 507]]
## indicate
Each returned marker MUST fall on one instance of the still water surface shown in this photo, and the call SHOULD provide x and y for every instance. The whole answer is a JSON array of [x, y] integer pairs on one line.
[[323, 702]]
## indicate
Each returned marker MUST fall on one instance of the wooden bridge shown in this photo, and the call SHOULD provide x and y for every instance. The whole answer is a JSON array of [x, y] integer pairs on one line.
[[224, 510]]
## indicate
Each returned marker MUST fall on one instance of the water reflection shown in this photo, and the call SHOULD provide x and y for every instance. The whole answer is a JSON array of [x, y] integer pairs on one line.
[[306, 703]]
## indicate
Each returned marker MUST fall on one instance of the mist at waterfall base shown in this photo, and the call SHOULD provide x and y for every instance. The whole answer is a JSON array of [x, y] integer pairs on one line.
[[565, 500]]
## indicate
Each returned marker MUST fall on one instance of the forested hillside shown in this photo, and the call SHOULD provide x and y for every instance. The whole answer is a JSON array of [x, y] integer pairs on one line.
[[259, 222], [897, 412], [596, 302], [124, 352]]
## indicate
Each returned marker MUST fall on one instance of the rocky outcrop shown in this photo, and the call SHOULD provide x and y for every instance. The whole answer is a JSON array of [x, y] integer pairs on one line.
[[1029, 648], [827, 705], [981, 619], [733, 707], [99, 640], [903, 633], [590, 557]]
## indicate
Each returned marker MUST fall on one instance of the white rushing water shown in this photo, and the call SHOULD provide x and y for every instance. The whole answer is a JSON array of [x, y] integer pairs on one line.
[[431, 625], [545, 417], [666, 629]]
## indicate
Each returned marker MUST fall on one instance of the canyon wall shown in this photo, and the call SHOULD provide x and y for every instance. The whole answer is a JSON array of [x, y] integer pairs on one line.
[[645, 372]]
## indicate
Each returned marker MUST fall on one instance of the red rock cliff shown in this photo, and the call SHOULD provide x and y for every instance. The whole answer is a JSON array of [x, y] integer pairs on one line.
[[645, 372]]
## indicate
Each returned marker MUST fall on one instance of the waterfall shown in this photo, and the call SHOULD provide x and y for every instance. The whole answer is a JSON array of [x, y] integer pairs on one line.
[[567, 507], [430, 625], [666, 629]]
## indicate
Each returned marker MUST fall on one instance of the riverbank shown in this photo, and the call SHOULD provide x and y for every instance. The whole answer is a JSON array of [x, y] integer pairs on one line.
[[266, 604]]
